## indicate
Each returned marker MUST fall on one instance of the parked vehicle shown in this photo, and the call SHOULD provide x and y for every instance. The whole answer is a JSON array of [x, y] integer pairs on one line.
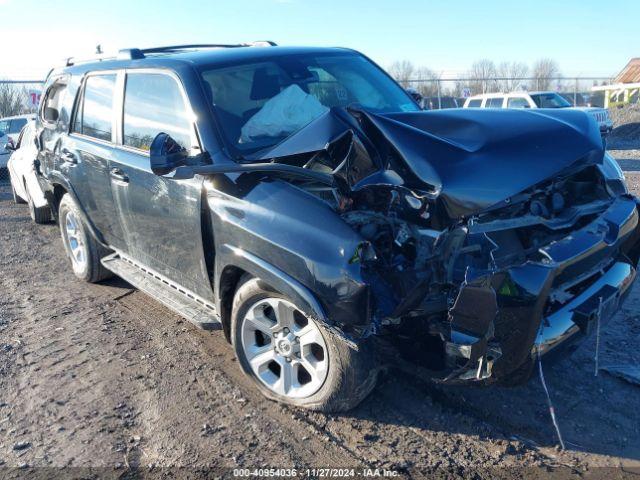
[[10, 128], [300, 200], [538, 100], [437, 103], [415, 94], [22, 167], [576, 99]]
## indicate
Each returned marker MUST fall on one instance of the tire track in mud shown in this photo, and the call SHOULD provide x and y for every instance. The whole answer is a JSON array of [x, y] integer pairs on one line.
[[408, 440], [217, 370]]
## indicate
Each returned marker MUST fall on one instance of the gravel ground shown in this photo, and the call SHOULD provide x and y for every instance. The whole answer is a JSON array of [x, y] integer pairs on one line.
[[626, 127], [105, 380]]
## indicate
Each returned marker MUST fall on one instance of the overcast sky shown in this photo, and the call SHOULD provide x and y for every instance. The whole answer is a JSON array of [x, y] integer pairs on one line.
[[587, 37]]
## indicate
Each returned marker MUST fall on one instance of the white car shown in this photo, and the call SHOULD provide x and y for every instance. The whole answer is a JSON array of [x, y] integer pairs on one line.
[[10, 128], [23, 173], [537, 100]]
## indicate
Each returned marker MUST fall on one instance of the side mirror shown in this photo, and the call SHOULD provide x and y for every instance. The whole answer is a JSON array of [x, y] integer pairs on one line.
[[9, 146], [51, 114], [166, 154]]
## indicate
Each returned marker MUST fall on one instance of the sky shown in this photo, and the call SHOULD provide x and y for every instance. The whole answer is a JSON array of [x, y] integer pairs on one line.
[[585, 37]]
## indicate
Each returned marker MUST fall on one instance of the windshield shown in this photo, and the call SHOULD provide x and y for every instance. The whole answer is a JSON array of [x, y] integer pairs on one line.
[[549, 100], [259, 104]]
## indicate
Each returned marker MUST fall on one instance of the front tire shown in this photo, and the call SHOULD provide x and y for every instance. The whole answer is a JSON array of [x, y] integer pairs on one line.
[[295, 359], [83, 250]]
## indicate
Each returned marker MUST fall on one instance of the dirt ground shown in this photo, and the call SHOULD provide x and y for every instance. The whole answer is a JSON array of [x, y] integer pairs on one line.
[[103, 379]]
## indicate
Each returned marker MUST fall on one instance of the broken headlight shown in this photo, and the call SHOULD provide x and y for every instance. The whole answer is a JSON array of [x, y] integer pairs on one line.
[[613, 176]]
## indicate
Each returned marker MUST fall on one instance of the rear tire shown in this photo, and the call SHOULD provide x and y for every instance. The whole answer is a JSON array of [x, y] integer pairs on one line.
[[39, 215], [82, 249], [343, 376]]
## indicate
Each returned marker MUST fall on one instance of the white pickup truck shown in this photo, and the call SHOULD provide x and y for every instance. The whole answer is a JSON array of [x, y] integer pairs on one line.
[[537, 100]]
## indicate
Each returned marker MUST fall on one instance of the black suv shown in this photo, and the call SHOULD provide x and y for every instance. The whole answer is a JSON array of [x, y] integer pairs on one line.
[[300, 200]]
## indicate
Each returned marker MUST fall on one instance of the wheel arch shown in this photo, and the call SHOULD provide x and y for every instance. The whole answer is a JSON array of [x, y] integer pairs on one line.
[[61, 187], [233, 263]]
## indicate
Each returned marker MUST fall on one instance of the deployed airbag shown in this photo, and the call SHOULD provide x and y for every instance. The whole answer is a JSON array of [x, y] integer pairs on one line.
[[287, 112]]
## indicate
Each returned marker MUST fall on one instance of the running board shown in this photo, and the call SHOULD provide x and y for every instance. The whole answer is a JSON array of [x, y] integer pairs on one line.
[[194, 309]]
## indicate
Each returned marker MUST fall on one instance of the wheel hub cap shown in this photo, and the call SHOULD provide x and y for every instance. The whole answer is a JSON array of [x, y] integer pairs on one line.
[[286, 345]]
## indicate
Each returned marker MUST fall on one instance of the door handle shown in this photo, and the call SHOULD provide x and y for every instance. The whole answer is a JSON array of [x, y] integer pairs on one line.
[[68, 157], [119, 175]]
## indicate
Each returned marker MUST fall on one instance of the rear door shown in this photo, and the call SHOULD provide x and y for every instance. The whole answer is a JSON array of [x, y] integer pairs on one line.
[[84, 154], [160, 217]]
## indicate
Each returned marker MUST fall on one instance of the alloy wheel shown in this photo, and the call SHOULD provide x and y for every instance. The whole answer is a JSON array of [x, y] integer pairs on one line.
[[284, 348], [75, 240]]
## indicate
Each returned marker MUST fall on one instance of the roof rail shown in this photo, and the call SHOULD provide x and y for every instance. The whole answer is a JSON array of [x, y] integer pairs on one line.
[[70, 61], [137, 53]]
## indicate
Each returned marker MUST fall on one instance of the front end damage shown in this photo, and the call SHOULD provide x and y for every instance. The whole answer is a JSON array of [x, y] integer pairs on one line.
[[486, 238]]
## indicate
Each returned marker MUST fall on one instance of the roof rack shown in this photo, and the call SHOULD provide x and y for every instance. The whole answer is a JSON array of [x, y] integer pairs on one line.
[[137, 53], [98, 58]]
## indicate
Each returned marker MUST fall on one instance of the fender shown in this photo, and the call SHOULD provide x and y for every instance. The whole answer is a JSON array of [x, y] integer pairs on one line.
[[281, 281]]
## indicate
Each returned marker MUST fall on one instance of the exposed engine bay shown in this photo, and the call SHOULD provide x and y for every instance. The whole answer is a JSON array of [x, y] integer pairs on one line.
[[470, 242]]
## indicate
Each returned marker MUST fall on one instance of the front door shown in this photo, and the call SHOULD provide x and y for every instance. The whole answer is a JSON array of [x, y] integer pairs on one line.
[[160, 217]]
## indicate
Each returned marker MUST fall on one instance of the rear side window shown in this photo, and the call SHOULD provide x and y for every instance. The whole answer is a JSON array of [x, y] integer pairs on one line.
[[494, 102], [95, 111], [52, 103], [518, 102], [153, 103], [475, 103]]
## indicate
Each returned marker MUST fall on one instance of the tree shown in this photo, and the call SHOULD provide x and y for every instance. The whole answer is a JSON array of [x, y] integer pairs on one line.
[[544, 71], [402, 71], [482, 77], [429, 86], [12, 99], [513, 74]]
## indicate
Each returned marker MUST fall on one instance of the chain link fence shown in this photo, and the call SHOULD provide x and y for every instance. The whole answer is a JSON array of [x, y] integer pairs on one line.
[[17, 97], [452, 92]]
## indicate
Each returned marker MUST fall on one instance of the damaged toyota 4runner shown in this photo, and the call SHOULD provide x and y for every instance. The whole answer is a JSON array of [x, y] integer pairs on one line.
[[298, 199]]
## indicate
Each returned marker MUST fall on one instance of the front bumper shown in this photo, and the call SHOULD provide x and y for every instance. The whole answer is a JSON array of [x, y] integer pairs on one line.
[[592, 269], [578, 317]]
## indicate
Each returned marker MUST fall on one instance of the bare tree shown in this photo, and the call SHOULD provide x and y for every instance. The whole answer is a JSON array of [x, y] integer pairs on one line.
[[482, 77], [12, 99], [429, 86], [402, 71], [543, 73], [513, 74]]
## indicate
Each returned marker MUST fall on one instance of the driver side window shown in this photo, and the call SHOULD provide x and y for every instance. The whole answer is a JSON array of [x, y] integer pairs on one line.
[[153, 104]]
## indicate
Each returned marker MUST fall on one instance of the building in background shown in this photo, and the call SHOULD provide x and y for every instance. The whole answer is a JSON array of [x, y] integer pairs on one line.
[[625, 87]]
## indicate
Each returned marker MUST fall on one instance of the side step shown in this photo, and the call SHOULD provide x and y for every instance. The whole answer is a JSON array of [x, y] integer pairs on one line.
[[194, 309]]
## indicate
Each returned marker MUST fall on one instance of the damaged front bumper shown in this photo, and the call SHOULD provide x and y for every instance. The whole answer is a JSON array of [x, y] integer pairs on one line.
[[544, 305], [580, 316]]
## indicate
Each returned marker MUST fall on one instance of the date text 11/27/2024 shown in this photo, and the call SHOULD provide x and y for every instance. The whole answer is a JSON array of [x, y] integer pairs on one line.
[[315, 472]]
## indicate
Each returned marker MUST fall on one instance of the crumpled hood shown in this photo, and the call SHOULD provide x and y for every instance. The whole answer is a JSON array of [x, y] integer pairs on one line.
[[476, 158], [471, 159]]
